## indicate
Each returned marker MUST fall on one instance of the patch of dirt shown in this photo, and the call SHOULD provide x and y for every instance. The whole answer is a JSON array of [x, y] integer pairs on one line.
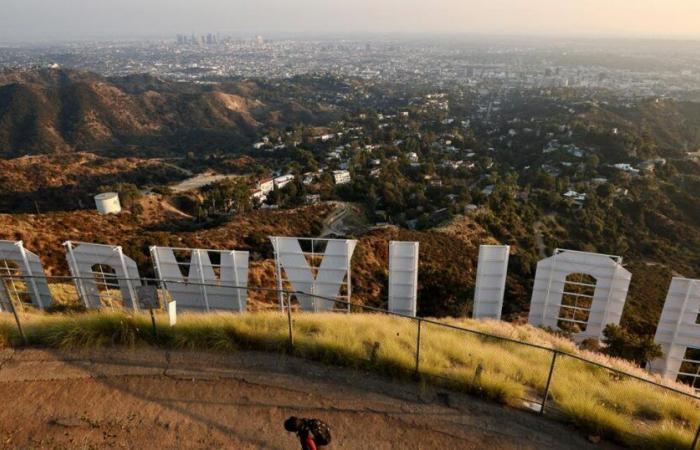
[[158, 209], [150, 398]]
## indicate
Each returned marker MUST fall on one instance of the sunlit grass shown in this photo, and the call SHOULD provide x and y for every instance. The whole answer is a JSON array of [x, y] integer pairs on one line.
[[592, 398], [64, 293]]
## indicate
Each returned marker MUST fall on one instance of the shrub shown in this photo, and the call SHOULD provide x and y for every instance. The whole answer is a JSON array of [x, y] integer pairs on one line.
[[622, 344]]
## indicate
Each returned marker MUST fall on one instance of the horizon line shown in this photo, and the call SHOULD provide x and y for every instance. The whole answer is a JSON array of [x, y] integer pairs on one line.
[[351, 35]]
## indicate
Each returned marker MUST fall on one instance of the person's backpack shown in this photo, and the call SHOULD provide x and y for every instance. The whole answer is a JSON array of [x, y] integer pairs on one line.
[[320, 430]]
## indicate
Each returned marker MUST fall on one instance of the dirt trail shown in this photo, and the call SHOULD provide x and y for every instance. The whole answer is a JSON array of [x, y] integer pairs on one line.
[[155, 399], [199, 181], [539, 240]]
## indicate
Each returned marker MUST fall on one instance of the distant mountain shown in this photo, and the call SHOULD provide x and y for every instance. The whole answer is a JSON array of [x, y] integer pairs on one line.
[[51, 111]]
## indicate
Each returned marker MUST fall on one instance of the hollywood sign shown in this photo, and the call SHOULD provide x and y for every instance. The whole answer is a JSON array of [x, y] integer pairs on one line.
[[573, 290]]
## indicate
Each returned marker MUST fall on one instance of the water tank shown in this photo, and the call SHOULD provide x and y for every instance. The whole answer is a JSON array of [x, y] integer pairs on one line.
[[108, 203]]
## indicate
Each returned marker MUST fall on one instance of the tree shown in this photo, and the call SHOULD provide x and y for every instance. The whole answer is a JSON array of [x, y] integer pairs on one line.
[[604, 190], [593, 161], [621, 343], [129, 195], [545, 181], [446, 284], [306, 159], [227, 195]]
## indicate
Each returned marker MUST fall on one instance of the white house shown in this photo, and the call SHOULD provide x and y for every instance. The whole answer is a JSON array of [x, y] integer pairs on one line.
[[257, 194], [309, 178], [626, 168], [283, 180], [575, 196], [266, 186], [341, 176], [312, 199]]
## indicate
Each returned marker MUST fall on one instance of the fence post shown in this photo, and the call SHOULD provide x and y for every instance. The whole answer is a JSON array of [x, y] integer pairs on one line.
[[549, 381], [19, 324], [696, 439], [153, 322], [289, 320], [420, 322]]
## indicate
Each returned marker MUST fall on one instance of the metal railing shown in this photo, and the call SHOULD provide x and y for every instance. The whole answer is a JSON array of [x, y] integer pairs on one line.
[[69, 285]]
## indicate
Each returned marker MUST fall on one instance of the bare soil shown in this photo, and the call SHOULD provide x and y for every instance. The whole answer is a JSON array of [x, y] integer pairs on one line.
[[150, 398]]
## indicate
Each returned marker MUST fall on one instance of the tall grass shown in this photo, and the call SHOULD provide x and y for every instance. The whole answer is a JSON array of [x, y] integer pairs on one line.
[[592, 398]]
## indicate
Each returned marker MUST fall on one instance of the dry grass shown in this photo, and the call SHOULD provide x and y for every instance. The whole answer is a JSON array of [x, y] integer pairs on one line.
[[592, 398]]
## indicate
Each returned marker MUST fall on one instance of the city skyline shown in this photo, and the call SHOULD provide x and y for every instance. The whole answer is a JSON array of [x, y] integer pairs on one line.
[[45, 20]]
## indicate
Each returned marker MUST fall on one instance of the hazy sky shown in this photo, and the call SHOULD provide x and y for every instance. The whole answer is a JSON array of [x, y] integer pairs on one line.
[[69, 19]]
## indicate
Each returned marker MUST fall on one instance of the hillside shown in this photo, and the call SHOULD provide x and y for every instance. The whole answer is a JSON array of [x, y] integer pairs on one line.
[[44, 234], [69, 181], [56, 111], [448, 254], [650, 128], [447, 264], [593, 400]]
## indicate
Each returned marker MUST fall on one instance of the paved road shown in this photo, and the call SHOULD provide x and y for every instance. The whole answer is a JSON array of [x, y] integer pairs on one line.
[[155, 399], [333, 224], [345, 219]]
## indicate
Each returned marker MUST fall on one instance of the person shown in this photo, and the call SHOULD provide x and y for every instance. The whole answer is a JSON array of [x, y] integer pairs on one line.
[[312, 433]]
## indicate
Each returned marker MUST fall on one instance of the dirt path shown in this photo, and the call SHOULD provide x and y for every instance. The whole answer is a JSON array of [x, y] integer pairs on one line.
[[155, 399], [538, 228], [539, 240], [198, 181]]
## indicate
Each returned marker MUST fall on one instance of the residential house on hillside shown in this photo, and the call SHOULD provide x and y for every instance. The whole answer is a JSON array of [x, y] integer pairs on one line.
[[266, 185], [283, 180], [651, 164], [309, 178], [312, 199], [626, 167], [578, 198], [488, 190], [258, 195], [341, 176]]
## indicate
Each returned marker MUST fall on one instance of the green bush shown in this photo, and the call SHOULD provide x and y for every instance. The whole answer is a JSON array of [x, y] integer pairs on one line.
[[632, 347]]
